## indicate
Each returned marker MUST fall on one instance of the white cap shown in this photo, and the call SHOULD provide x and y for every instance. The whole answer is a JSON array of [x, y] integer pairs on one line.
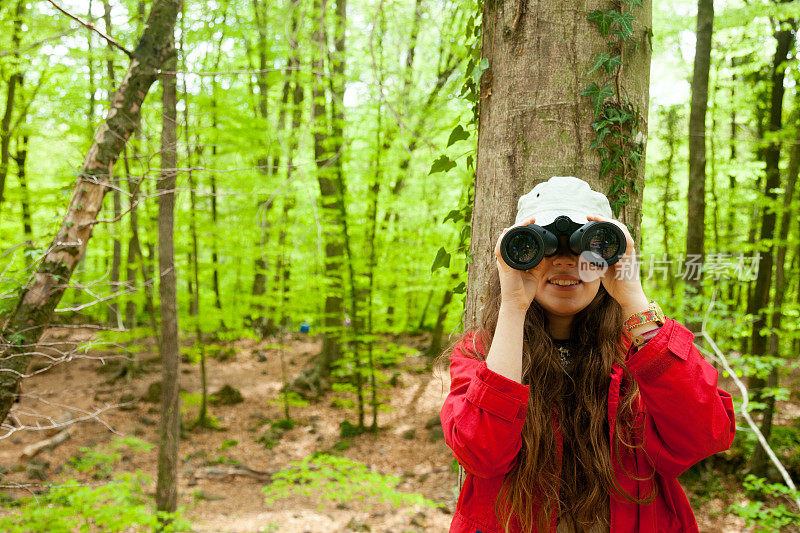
[[562, 195]]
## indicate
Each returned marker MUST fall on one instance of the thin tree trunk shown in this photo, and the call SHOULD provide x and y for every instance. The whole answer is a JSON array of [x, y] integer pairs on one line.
[[20, 159], [283, 267], [734, 207], [92, 88], [671, 140], [262, 322], [169, 429], [214, 225], [696, 197], [114, 318], [759, 303], [38, 299], [327, 154], [435, 347], [759, 459], [14, 80]]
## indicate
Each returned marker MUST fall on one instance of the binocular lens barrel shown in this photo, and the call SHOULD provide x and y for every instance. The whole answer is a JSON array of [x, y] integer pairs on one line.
[[524, 247]]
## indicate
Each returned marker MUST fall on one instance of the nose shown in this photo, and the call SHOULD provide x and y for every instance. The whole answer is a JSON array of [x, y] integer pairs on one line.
[[564, 255]]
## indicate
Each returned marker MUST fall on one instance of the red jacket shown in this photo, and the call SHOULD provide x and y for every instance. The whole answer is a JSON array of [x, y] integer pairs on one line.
[[687, 418]]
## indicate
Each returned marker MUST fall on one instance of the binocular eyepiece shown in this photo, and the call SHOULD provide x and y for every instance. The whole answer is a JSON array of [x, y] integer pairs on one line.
[[600, 243]]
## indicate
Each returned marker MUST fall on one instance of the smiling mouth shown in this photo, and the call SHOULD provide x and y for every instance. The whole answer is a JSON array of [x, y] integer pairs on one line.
[[563, 282]]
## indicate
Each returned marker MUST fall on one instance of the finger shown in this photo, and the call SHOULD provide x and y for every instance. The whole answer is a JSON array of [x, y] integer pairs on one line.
[[499, 240]]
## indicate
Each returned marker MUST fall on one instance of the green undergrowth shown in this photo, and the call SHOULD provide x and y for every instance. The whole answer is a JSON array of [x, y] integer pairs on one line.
[[118, 504], [340, 480]]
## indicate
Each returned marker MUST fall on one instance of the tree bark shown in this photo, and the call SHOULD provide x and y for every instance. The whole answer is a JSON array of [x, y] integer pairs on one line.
[[14, 80], [327, 154], [169, 428], [759, 458], [671, 120], [20, 159], [38, 299], [759, 302], [114, 318], [696, 198], [534, 124]]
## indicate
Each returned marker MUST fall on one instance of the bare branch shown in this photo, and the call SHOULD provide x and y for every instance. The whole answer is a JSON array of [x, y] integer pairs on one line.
[[91, 27]]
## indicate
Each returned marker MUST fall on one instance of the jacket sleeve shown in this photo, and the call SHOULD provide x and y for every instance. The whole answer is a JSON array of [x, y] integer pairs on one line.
[[483, 415], [687, 417]]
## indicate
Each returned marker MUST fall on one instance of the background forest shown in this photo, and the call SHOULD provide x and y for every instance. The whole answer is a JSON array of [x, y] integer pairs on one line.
[[321, 160]]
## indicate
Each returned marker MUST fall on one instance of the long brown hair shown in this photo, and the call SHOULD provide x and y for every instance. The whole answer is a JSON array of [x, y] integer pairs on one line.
[[580, 488]]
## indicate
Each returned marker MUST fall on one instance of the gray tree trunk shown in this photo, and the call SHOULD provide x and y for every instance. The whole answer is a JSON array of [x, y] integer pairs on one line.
[[38, 299], [169, 428], [696, 197], [534, 124]]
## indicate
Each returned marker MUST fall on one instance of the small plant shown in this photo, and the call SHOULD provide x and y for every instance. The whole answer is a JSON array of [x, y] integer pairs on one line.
[[119, 504], [292, 398], [229, 443], [341, 480], [760, 516], [100, 461], [283, 423]]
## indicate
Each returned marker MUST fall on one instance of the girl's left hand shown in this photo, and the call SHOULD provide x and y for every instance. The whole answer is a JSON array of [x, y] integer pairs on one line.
[[621, 279]]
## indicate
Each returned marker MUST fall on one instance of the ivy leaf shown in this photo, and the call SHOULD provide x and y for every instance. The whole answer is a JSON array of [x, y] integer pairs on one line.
[[625, 21], [442, 164], [460, 288], [613, 63], [477, 72], [455, 215], [458, 134], [600, 61], [598, 95], [603, 20], [442, 260]]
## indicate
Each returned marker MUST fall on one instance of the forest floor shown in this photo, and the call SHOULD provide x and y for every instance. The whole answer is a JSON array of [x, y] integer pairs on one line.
[[217, 498]]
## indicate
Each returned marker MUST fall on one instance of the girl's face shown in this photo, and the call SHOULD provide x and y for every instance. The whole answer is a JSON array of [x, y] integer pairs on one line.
[[564, 300]]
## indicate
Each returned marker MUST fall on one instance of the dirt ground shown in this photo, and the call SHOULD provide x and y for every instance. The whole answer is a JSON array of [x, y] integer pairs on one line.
[[235, 503]]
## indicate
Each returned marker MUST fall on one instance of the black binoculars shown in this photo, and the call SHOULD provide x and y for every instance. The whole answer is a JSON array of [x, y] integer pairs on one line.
[[524, 247]]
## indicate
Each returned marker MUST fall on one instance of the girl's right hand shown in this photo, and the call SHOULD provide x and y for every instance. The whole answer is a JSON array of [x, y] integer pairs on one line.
[[517, 287]]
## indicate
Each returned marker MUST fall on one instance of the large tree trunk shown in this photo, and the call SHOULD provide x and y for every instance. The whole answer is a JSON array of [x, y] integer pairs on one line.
[[534, 123], [695, 229], [169, 428], [37, 301]]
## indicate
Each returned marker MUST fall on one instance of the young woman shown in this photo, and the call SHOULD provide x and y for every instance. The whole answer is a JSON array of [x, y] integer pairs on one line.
[[560, 420]]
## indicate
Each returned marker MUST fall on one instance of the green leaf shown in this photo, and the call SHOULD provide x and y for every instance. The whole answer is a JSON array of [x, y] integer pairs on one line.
[[460, 288], [458, 134], [613, 63], [455, 215], [603, 20], [442, 164], [477, 72], [625, 22], [442, 260], [600, 61], [598, 95]]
